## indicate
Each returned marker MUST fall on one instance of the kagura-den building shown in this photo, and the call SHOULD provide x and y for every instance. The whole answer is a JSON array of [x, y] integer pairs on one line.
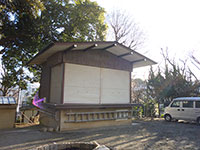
[[86, 84]]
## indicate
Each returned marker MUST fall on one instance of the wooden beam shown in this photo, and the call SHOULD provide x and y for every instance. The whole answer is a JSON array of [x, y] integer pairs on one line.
[[139, 60], [90, 47], [129, 53], [70, 48], [109, 46], [63, 84]]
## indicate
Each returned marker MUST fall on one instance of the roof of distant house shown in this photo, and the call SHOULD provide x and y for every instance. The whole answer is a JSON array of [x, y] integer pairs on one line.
[[7, 100]]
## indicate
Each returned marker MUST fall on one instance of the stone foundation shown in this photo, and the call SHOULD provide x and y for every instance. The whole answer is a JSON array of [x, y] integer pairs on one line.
[[81, 118]]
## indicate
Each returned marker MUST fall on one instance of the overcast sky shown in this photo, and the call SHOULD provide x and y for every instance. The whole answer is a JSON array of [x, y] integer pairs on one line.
[[166, 23]]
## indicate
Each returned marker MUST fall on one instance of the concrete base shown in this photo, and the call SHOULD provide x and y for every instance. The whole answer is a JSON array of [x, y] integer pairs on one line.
[[59, 120]]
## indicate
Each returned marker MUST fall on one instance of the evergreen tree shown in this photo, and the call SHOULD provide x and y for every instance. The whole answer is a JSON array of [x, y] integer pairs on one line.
[[27, 26]]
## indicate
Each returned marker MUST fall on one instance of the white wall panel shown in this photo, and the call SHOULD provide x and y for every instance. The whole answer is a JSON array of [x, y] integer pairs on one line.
[[115, 86], [56, 84], [82, 84], [86, 95], [86, 84]]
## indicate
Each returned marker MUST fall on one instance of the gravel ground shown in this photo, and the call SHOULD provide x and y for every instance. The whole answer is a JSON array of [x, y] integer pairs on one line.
[[142, 135]]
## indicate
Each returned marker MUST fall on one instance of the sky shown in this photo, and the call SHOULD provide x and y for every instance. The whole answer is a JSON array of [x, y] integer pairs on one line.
[[166, 23]]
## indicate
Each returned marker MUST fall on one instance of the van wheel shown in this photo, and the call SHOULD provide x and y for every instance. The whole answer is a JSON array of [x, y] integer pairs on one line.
[[168, 118], [198, 121]]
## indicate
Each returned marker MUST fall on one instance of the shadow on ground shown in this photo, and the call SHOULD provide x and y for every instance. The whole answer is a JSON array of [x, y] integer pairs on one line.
[[143, 135]]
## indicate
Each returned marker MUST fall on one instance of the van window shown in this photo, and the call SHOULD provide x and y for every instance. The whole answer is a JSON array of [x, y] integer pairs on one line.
[[187, 104], [175, 104], [197, 104]]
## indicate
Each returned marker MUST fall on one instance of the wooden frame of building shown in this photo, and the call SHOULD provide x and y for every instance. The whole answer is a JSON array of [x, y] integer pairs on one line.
[[86, 84]]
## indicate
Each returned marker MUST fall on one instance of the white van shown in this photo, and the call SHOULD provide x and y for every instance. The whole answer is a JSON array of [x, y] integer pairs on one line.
[[183, 108]]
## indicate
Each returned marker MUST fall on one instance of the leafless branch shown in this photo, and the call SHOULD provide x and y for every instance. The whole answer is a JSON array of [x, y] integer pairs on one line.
[[125, 30], [183, 69], [166, 57], [195, 59], [192, 74]]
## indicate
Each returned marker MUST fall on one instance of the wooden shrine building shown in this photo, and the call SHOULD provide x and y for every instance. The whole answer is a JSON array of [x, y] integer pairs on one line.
[[86, 84]]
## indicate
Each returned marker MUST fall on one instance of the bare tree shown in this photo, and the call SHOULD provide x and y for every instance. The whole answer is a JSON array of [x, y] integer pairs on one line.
[[195, 61], [125, 30]]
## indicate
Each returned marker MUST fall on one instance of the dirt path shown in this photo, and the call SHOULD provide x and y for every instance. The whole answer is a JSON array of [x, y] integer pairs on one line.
[[142, 135]]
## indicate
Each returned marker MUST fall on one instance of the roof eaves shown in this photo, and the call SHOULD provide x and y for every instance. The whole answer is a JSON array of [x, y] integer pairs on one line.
[[112, 42], [60, 43], [42, 51], [136, 52]]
